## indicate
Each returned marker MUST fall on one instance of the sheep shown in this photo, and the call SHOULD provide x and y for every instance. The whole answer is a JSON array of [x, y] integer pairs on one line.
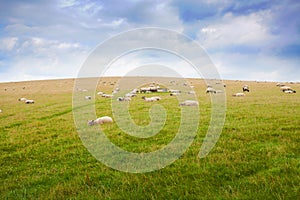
[[189, 103], [284, 88], [130, 95], [88, 97], [191, 92], [211, 90], [0, 111], [107, 95], [174, 91], [100, 120], [151, 99], [29, 101], [22, 99], [290, 91], [100, 93], [280, 85], [174, 94], [157, 98], [123, 99], [239, 94], [246, 88]]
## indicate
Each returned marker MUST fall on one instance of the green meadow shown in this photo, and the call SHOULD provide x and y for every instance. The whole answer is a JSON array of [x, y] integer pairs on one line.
[[256, 157]]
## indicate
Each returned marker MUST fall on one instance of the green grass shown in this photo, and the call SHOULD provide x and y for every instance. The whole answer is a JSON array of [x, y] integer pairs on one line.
[[256, 157]]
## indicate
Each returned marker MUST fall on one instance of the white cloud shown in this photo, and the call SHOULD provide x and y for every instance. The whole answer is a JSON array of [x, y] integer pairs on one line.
[[247, 30], [7, 44]]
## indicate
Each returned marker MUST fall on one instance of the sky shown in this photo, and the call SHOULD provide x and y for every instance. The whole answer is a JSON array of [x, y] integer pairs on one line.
[[246, 40]]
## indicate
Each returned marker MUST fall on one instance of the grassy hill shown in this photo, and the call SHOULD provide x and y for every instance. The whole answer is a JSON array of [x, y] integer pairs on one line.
[[256, 157]]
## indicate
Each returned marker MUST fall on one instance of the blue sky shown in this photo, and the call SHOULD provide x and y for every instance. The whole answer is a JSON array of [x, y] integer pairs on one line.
[[246, 40]]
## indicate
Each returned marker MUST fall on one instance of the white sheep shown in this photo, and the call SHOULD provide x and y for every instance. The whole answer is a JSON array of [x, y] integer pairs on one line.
[[191, 92], [174, 91], [246, 88], [239, 94], [107, 95], [284, 88], [100, 93], [22, 99], [189, 103], [100, 120], [88, 97], [157, 98], [174, 94], [29, 101], [150, 99], [211, 90], [289, 91], [130, 95], [123, 99], [0, 111]]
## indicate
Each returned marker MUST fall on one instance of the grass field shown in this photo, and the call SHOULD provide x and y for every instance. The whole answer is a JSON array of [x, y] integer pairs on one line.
[[256, 157]]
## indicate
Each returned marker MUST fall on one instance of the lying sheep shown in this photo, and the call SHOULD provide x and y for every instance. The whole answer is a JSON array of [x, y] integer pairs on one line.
[[239, 94], [151, 99], [284, 88], [100, 93], [174, 94], [290, 91], [107, 95], [101, 120], [22, 99], [88, 97], [123, 99], [189, 103], [29, 101], [130, 95], [191, 92]]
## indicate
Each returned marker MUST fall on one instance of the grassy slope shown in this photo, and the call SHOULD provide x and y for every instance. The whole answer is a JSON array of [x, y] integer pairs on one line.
[[257, 155]]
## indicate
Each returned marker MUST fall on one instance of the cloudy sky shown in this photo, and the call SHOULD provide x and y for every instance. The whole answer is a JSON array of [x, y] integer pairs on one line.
[[246, 40]]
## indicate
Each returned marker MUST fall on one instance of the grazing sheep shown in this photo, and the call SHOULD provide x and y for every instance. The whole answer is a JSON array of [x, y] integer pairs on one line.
[[239, 94], [189, 103], [123, 99], [29, 101], [151, 99], [157, 98], [191, 92], [22, 99], [289, 91], [100, 120], [211, 90], [100, 93], [246, 88], [88, 97]]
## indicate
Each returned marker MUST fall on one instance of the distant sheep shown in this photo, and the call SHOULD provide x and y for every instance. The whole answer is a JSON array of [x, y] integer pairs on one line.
[[174, 91], [101, 120], [22, 99], [151, 99], [0, 111], [130, 95], [211, 90], [289, 91], [123, 99], [246, 88], [29, 101], [107, 95], [240, 94], [191, 92], [88, 97], [284, 88], [189, 103], [100, 93], [174, 94], [280, 85]]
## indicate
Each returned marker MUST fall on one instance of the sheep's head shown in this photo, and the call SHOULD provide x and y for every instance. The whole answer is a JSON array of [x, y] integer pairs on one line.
[[143, 97], [91, 122]]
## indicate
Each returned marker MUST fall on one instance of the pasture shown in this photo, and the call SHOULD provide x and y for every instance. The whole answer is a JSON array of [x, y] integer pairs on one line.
[[256, 157]]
